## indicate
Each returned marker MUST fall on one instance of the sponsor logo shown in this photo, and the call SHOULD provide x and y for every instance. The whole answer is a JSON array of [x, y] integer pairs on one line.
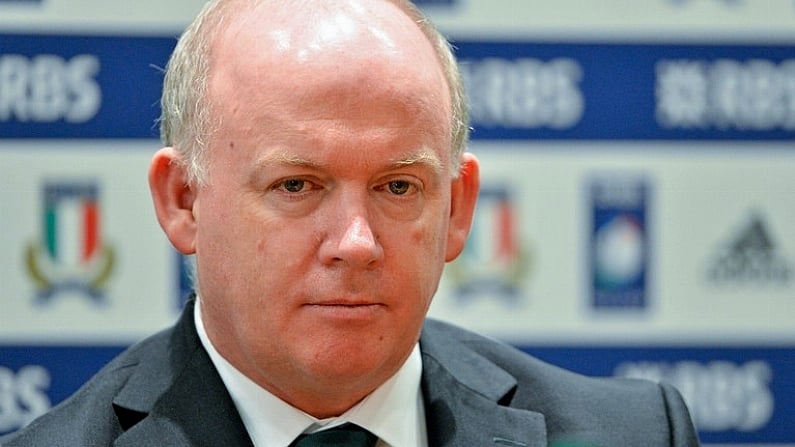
[[47, 88], [721, 395], [524, 93], [493, 260], [724, 94], [23, 396], [619, 243], [71, 254], [750, 257]]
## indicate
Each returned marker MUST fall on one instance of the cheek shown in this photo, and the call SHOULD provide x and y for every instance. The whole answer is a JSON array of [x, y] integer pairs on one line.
[[422, 252], [227, 238], [432, 234], [281, 240]]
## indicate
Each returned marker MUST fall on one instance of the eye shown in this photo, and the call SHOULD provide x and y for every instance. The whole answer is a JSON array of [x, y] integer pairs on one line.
[[293, 185], [399, 187]]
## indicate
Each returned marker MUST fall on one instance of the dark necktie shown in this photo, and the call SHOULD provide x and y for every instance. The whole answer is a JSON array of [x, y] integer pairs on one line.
[[346, 435]]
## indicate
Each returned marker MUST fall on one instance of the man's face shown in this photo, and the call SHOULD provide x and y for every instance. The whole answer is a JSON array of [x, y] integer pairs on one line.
[[324, 228]]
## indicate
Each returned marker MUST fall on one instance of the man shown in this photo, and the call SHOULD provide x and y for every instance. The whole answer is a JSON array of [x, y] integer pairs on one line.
[[315, 167]]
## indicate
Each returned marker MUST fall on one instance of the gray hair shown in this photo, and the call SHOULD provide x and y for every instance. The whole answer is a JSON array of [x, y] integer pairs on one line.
[[185, 122]]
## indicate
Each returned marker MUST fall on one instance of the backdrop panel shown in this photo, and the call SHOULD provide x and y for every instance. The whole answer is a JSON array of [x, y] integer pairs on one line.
[[636, 217]]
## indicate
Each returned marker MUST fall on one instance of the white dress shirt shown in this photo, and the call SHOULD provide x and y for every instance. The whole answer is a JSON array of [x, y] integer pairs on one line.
[[394, 411]]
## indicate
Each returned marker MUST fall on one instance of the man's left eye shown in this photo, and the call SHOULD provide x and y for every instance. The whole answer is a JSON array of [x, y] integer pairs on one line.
[[399, 187], [293, 185]]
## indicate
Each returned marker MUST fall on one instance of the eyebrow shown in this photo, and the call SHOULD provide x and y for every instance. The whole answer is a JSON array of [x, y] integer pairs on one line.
[[283, 157], [423, 157]]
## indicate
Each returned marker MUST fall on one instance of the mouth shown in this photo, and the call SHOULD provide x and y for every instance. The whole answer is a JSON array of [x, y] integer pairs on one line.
[[343, 302], [346, 309]]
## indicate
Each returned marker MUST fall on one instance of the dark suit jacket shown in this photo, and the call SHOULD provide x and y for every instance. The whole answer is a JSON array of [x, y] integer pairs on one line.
[[165, 391]]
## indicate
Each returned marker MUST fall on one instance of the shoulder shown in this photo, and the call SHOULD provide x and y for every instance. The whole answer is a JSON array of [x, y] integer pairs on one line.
[[121, 393], [87, 417], [572, 404]]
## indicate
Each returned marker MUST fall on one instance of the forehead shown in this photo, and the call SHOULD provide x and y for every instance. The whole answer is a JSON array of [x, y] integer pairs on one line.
[[359, 61], [332, 53]]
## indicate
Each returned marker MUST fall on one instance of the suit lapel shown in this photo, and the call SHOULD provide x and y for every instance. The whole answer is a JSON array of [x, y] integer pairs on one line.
[[196, 410], [179, 399], [466, 398]]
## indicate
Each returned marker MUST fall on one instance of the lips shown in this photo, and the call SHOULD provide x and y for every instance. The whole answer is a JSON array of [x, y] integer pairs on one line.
[[345, 303], [346, 309]]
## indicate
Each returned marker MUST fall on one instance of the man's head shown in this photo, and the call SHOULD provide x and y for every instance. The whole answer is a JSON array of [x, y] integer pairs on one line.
[[335, 191]]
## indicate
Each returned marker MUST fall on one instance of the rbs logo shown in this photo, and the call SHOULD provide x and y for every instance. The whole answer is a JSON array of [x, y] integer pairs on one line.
[[722, 395], [23, 396], [525, 93], [47, 88]]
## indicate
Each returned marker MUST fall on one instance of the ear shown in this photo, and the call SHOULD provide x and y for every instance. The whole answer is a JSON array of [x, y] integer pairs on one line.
[[174, 199], [464, 192]]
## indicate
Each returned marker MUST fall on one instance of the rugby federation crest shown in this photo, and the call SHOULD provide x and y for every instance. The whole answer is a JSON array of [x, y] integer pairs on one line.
[[493, 261], [70, 254]]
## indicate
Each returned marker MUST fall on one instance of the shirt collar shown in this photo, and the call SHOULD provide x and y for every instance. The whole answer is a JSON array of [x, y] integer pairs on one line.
[[394, 411]]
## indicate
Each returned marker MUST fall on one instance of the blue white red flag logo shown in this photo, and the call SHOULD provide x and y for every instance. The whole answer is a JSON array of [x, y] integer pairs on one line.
[[71, 254], [493, 260]]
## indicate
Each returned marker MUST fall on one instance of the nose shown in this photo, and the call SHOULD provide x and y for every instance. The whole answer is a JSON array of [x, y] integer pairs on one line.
[[355, 243]]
